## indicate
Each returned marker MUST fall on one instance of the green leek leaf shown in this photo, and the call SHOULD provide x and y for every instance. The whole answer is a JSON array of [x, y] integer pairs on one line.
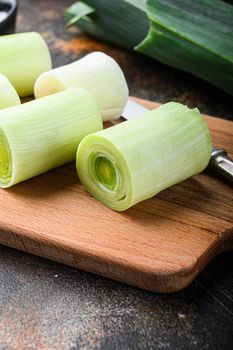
[[177, 38], [82, 10], [122, 22], [194, 36]]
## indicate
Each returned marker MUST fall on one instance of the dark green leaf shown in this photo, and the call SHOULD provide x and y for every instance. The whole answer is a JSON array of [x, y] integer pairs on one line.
[[81, 10], [122, 22]]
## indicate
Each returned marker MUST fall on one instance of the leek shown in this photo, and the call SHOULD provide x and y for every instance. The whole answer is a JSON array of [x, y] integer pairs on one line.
[[23, 58], [194, 36], [96, 72], [83, 11], [122, 22], [177, 38], [43, 134], [8, 94], [133, 161]]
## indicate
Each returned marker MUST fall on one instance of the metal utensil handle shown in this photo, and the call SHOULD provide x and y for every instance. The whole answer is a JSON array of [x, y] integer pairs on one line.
[[222, 163]]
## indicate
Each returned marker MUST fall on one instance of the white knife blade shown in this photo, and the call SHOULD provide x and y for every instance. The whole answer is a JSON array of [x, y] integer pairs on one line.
[[133, 110], [219, 161]]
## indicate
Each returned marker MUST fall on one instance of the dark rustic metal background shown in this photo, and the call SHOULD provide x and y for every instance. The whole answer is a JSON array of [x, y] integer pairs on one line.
[[45, 305]]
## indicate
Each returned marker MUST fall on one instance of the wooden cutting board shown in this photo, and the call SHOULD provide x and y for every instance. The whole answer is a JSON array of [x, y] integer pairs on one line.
[[160, 245]]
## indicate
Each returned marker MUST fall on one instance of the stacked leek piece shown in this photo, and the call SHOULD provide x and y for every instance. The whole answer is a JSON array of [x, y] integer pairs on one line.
[[195, 36], [96, 72], [43, 134], [24, 57], [133, 161], [72, 102], [121, 165]]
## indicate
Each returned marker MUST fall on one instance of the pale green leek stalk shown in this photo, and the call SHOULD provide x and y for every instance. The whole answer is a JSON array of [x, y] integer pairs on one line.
[[44, 134], [96, 72], [24, 57], [134, 160], [8, 94]]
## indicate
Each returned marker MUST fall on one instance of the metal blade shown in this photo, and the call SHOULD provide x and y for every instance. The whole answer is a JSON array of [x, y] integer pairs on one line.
[[133, 110]]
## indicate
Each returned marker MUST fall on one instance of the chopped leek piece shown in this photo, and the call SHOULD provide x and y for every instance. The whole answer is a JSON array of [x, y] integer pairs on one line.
[[194, 36], [96, 72], [24, 57], [134, 160], [8, 94], [44, 134]]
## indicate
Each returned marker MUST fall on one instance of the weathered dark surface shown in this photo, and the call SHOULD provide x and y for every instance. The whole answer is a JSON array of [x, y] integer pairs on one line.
[[44, 305]]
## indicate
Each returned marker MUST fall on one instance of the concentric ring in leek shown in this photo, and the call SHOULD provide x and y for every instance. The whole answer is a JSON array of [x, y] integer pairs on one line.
[[104, 172], [134, 160], [44, 134]]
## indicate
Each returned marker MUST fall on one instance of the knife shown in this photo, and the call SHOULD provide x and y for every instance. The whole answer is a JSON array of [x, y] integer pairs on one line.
[[219, 160]]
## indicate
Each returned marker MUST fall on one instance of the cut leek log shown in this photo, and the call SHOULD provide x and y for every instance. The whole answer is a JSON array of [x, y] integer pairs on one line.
[[134, 160], [96, 72], [24, 57], [8, 94], [44, 134]]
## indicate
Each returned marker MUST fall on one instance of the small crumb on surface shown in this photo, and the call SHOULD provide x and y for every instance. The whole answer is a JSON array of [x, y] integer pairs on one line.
[[181, 316]]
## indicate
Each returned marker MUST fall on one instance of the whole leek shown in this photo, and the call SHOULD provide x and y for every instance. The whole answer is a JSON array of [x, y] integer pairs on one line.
[[43, 134], [8, 94], [134, 160], [23, 57], [96, 72], [122, 22], [194, 36]]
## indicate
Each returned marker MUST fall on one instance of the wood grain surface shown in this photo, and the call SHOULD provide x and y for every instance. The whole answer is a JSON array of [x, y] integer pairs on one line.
[[159, 245]]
